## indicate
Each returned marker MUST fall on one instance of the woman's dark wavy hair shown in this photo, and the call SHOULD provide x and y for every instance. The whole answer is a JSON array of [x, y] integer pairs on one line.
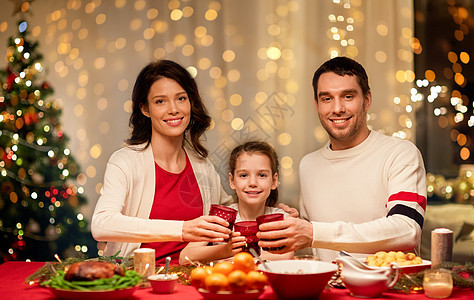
[[141, 124], [259, 148], [342, 66]]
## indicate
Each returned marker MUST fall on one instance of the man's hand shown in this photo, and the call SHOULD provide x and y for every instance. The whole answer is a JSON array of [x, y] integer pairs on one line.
[[206, 229], [293, 233], [293, 212]]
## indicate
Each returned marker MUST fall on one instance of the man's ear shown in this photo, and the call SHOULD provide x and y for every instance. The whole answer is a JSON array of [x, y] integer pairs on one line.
[[231, 181], [144, 109], [368, 101], [316, 103]]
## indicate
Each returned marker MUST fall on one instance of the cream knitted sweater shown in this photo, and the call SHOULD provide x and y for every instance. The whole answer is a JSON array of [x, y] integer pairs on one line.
[[365, 199]]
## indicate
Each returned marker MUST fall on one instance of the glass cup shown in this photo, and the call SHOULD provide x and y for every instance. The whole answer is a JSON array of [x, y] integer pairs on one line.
[[437, 283], [270, 218], [249, 230], [226, 213]]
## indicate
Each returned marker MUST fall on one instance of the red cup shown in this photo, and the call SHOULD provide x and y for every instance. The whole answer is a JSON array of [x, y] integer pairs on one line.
[[226, 213], [270, 218], [249, 230]]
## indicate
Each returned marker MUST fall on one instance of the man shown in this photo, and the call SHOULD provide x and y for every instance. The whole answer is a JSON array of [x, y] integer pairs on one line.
[[362, 192]]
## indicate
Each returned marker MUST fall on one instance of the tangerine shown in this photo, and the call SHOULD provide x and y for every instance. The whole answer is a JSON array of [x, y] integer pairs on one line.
[[237, 281], [256, 280], [216, 282], [244, 261], [224, 267], [199, 275]]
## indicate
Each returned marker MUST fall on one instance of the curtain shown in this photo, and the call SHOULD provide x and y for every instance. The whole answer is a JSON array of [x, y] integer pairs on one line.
[[253, 61]]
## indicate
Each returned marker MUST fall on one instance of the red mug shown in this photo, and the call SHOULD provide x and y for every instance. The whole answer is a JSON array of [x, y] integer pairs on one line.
[[249, 230], [226, 213], [270, 218]]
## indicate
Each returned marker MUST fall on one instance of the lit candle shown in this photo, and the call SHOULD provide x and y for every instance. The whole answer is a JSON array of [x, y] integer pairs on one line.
[[441, 246], [437, 283], [144, 261]]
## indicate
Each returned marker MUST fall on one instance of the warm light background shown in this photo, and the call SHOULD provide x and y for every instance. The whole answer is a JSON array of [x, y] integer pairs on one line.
[[253, 61]]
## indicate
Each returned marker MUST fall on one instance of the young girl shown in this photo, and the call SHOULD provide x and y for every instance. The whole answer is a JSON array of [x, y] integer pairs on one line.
[[253, 174]]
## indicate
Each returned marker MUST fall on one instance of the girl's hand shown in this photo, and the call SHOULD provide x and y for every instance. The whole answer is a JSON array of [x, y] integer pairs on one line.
[[236, 243], [206, 229]]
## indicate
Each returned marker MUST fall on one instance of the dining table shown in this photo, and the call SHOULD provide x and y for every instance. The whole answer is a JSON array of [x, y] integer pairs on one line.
[[13, 285]]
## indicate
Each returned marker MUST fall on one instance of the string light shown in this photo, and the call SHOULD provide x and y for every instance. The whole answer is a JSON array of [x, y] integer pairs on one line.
[[428, 86]]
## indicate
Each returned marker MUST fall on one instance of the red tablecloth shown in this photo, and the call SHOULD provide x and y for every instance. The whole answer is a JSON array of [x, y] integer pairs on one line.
[[13, 286]]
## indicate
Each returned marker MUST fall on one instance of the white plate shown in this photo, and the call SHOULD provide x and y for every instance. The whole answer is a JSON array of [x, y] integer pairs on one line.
[[410, 268]]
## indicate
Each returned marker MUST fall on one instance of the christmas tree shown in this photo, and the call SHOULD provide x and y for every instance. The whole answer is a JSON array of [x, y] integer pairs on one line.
[[39, 201]]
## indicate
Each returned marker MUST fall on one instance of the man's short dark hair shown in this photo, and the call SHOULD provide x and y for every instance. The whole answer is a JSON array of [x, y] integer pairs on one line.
[[342, 66]]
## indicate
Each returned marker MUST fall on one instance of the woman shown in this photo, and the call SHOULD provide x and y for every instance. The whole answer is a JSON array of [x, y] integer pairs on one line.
[[157, 188]]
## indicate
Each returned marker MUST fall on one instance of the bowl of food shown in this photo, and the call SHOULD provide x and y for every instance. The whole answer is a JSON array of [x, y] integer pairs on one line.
[[407, 262], [230, 295], [162, 284], [232, 279], [298, 279]]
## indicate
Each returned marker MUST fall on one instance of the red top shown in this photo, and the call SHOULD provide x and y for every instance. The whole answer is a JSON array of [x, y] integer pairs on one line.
[[177, 197]]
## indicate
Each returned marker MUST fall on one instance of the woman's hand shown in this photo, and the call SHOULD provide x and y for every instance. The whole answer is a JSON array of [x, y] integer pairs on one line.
[[206, 229]]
